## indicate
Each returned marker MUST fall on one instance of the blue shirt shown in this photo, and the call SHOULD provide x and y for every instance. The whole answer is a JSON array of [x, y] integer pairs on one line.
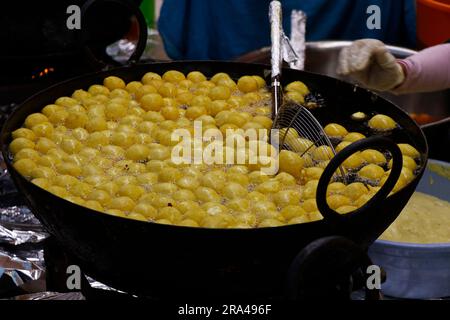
[[225, 29]]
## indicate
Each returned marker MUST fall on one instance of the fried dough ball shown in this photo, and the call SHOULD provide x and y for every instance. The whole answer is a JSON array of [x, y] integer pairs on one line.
[[335, 130], [24, 133], [408, 162], [346, 209], [196, 77], [322, 153], [173, 76], [341, 146], [296, 97], [373, 157], [20, 144], [355, 190], [354, 136], [335, 188], [291, 163], [382, 123], [248, 84], [409, 150], [299, 87], [114, 83], [371, 172], [353, 162], [35, 119], [25, 167], [337, 201]]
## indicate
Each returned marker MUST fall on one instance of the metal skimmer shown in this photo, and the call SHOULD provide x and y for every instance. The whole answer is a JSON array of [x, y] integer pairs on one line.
[[298, 130]]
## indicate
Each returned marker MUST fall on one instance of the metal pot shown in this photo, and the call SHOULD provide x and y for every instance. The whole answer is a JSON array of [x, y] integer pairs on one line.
[[417, 271]]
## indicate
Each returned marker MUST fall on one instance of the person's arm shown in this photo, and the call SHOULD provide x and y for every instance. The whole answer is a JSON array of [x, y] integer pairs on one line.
[[428, 70], [369, 62]]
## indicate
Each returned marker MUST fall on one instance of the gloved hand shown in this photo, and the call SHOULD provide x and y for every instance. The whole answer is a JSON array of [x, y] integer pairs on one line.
[[369, 62]]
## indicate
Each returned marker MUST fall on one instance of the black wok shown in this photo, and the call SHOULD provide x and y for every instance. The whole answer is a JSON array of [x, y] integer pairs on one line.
[[153, 259]]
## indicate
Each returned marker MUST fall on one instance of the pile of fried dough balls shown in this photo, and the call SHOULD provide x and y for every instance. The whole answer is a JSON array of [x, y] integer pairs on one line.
[[109, 149]]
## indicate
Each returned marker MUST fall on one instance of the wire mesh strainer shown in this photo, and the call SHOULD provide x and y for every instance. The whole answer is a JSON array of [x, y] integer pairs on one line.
[[296, 127]]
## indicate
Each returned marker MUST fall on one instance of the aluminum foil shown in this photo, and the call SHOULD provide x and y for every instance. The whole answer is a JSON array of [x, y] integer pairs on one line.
[[19, 226], [276, 18], [298, 39], [51, 296], [19, 215], [22, 271], [101, 286], [122, 50], [16, 237], [289, 54], [22, 267]]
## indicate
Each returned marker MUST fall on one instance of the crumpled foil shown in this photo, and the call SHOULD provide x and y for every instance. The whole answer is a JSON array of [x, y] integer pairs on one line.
[[290, 50], [276, 35], [19, 226], [18, 214], [22, 267], [17, 237], [296, 58], [22, 271], [51, 296], [122, 50]]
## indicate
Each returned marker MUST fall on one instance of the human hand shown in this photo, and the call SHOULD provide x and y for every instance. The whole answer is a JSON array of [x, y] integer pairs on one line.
[[370, 63]]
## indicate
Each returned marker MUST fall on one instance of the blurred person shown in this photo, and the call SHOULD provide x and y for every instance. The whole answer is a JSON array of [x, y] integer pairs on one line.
[[370, 63], [226, 29]]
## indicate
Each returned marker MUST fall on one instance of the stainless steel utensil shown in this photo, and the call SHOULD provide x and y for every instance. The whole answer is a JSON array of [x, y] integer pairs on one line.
[[294, 122]]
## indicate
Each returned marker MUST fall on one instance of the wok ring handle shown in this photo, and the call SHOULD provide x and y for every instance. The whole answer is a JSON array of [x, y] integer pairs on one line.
[[142, 40], [376, 142]]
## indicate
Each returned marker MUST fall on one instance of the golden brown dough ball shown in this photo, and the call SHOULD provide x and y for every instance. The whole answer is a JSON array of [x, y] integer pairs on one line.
[[247, 84], [335, 130], [382, 123], [114, 83], [299, 87]]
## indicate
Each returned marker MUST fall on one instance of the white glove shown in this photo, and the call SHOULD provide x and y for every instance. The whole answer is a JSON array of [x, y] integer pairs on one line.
[[369, 62]]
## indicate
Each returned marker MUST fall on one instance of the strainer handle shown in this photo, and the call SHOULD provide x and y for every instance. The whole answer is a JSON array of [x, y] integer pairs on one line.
[[276, 36], [276, 32], [369, 143]]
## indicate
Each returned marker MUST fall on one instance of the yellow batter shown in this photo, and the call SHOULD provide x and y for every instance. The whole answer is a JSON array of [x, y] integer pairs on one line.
[[425, 220]]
